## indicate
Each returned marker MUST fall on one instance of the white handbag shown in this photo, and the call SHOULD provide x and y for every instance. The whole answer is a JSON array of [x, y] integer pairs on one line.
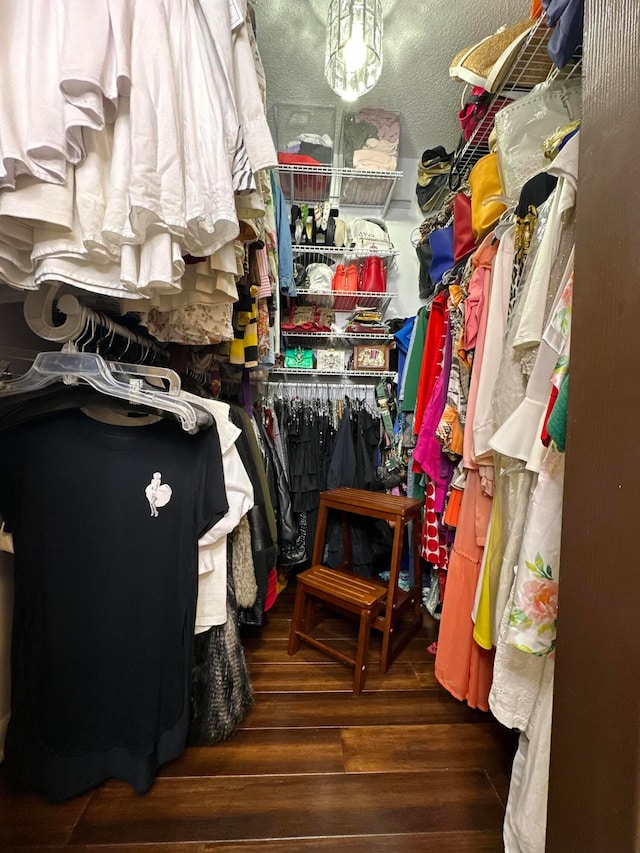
[[319, 278], [367, 237], [523, 126], [331, 360]]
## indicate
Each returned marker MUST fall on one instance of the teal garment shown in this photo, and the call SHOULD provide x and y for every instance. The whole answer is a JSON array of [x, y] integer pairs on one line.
[[557, 423], [419, 489], [416, 486], [403, 339], [413, 363]]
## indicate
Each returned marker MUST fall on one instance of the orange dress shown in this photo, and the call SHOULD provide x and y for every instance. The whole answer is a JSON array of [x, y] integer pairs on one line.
[[462, 667]]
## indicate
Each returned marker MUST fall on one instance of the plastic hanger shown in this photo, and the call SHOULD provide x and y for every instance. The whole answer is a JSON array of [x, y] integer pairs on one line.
[[148, 371], [50, 367]]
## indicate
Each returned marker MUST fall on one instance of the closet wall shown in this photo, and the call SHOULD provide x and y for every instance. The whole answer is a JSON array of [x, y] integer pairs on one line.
[[594, 796], [402, 218]]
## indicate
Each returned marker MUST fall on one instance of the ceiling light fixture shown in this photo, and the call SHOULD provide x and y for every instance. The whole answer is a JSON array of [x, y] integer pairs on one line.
[[353, 60]]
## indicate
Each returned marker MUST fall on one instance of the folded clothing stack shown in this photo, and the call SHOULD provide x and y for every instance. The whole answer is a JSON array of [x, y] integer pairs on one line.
[[318, 147], [371, 138]]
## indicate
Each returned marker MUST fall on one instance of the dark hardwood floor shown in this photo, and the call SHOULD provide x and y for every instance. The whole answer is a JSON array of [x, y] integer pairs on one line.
[[313, 769]]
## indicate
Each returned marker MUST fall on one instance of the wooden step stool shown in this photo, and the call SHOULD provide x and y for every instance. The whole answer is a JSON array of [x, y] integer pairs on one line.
[[378, 605]]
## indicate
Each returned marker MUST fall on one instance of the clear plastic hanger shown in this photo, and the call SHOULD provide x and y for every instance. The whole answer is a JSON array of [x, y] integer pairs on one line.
[[50, 367], [147, 371]]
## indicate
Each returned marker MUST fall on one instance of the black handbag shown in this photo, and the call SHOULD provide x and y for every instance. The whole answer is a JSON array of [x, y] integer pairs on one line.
[[433, 175], [392, 473]]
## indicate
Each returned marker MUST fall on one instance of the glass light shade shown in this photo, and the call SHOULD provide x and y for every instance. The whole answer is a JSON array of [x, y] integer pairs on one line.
[[353, 60]]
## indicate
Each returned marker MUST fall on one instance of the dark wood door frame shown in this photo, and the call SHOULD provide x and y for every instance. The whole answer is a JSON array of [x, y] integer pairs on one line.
[[594, 782]]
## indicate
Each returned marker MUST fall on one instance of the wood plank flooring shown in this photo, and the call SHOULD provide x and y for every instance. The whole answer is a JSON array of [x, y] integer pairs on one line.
[[313, 769]]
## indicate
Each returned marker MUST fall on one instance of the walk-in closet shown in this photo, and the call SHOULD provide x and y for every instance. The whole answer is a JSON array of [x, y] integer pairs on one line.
[[317, 471]]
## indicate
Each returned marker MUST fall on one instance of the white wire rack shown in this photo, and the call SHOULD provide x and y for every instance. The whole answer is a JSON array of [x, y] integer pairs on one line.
[[315, 254], [339, 185], [346, 374], [347, 300], [530, 67], [307, 253], [340, 338]]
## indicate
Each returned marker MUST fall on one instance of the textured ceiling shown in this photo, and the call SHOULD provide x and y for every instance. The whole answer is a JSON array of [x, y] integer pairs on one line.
[[420, 39]]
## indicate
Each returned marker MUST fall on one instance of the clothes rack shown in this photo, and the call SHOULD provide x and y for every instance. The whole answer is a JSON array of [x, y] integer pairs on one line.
[[72, 307], [79, 320], [320, 390]]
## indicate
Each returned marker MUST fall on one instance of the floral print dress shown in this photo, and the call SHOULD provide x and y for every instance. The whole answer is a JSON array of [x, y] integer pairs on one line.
[[532, 621]]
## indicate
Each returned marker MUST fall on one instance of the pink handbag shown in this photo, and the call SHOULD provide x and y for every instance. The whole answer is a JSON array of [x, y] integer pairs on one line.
[[478, 114]]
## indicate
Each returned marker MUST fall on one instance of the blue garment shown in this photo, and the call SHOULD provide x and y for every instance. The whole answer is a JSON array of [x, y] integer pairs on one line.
[[403, 339], [567, 19], [441, 242], [285, 252], [567, 138]]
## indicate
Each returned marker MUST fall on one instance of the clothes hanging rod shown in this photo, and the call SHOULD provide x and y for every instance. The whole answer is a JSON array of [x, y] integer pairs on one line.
[[289, 389], [72, 307], [319, 385]]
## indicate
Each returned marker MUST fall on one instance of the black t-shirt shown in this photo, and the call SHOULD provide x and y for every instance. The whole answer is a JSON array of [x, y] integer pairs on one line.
[[106, 522]]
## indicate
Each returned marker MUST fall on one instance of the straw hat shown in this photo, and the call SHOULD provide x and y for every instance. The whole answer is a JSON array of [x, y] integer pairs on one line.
[[487, 64]]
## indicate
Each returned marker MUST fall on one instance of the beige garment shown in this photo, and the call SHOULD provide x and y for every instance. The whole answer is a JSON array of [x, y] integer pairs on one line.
[[370, 158], [244, 575], [382, 145], [203, 279], [226, 259], [197, 289], [203, 283], [249, 205], [192, 324]]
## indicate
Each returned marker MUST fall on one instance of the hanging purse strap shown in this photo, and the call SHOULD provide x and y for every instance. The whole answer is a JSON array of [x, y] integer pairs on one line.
[[382, 401]]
